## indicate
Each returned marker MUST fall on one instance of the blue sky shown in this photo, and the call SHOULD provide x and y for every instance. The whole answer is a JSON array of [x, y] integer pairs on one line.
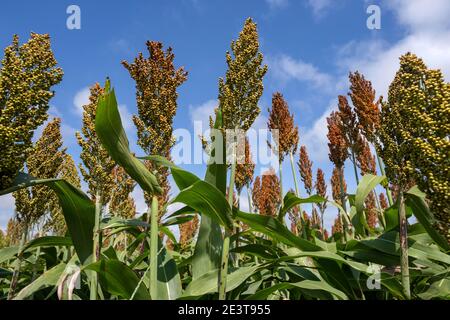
[[309, 46]]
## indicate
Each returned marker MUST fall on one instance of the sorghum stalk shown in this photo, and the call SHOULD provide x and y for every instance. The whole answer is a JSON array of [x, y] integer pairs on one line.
[[297, 191], [154, 248], [250, 208], [404, 246], [383, 173], [97, 245], [15, 277], [223, 271]]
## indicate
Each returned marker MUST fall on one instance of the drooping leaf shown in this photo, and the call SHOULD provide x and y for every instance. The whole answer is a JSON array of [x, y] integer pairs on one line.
[[291, 200], [207, 283], [275, 229], [208, 248], [78, 210], [108, 126], [415, 199], [47, 279], [169, 281], [48, 241], [207, 200], [118, 279]]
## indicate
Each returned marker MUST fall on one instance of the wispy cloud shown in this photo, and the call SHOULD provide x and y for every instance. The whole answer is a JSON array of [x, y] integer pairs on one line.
[[81, 99], [202, 112], [286, 68], [277, 3], [319, 7]]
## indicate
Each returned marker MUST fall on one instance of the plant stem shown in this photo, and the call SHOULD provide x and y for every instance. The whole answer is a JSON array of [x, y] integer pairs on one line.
[[383, 173], [154, 249], [297, 191], [97, 245], [354, 167], [15, 276], [250, 209], [404, 246], [343, 202], [281, 182], [223, 271]]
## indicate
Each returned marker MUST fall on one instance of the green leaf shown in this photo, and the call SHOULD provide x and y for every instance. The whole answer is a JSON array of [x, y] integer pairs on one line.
[[276, 230], [391, 216], [47, 279], [182, 178], [207, 200], [438, 290], [78, 210], [8, 253], [208, 248], [415, 199], [178, 220], [304, 285], [118, 279], [48, 241], [207, 283], [366, 185], [291, 200], [108, 126], [169, 281]]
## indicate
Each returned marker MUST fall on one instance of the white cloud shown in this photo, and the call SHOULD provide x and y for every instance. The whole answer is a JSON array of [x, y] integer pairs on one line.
[[286, 68], [420, 15], [277, 3], [319, 7], [428, 36], [81, 98], [203, 112], [6, 210], [126, 117], [315, 138]]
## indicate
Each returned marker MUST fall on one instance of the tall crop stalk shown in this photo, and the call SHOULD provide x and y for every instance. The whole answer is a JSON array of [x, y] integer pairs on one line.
[[97, 245], [250, 208], [15, 277], [383, 172], [223, 270], [297, 191], [154, 249], [404, 246]]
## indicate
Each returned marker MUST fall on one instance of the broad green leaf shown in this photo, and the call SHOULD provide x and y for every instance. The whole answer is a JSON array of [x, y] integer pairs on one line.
[[207, 200], [208, 248], [8, 253], [178, 220], [291, 200], [366, 185], [116, 222], [78, 210], [391, 216], [305, 285], [182, 178], [207, 283], [48, 241], [108, 126], [415, 200], [275, 229], [438, 289], [389, 243], [118, 279], [47, 279], [169, 281]]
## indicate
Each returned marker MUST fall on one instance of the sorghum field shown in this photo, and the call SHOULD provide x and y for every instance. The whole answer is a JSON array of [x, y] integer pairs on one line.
[[390, 239]]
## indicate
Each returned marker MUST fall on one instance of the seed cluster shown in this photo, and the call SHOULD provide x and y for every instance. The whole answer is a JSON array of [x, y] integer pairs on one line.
[[28, 72], [415, 134], [242, 87]]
